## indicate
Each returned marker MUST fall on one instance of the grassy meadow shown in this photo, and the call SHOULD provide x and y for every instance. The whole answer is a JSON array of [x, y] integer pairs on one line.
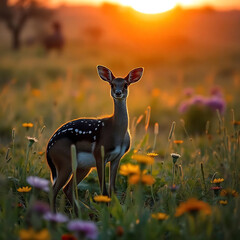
[[191, 197]]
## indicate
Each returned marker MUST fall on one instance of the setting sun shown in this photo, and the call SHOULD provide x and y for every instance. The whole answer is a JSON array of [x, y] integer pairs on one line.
[[150, 6]]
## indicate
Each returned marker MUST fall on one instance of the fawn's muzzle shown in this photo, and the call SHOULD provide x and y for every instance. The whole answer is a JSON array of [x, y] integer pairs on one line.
[[118, 93]]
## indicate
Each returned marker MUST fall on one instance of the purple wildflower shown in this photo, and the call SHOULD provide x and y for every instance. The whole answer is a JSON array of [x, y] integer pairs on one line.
[[188, 92], [55, 217], [84, 228], [216, 103], [40, 183], [198, 99], [184, 106], [216, 91], [41, 207]]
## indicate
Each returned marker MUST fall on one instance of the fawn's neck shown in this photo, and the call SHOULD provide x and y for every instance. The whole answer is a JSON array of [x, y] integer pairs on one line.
[[120, 116]]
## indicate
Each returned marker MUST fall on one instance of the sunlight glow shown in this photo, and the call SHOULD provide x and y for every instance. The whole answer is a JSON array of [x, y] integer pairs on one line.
[[154, 6], [150, 6]]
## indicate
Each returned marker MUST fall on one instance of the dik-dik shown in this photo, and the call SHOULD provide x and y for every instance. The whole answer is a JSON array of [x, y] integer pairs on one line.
[[89, 135]]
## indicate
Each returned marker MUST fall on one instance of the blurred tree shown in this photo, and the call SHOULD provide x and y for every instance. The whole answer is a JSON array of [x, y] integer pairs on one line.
[[16, 13]]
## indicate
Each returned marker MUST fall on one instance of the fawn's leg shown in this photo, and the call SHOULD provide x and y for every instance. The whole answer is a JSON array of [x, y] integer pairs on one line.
[[68, 189], [62, 178], [113, 173], [101, 172]]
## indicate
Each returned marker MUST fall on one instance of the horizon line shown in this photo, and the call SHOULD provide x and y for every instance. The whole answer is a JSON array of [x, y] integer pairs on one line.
[[210, 6]]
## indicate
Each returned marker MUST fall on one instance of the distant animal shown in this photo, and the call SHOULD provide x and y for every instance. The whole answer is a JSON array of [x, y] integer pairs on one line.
[[89, 135], [56, 39]]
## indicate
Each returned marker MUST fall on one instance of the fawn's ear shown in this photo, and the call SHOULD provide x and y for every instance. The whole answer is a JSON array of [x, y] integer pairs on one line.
[[105, 74], [134, 76]]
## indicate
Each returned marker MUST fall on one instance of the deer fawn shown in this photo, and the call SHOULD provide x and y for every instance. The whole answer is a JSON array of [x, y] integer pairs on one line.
[[88, 135]]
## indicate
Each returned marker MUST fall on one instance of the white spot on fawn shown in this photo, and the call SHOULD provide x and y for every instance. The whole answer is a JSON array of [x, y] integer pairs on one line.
[[80, 132], [70, 129], [76, 130], [102, 123], [95, 129], [89, 125], [90, 132], [94, 138]]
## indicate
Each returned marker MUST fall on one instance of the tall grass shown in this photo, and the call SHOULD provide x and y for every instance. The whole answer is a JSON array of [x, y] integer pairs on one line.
[[48, 98]]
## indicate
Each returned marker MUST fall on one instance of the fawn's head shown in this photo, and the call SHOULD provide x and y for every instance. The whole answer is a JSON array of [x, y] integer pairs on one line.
[[119, 86]]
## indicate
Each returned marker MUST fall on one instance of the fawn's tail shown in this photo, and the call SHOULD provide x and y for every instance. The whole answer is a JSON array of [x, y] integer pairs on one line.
[[52, 168]]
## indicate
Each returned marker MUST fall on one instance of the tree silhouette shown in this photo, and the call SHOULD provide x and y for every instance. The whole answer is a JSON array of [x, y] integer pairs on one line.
[[17, 13]]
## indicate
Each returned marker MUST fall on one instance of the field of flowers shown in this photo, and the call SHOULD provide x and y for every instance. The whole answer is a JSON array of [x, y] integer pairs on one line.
[[180, 179]]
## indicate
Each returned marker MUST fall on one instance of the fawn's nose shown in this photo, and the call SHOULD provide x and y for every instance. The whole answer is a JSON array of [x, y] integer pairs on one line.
[[118, 92]]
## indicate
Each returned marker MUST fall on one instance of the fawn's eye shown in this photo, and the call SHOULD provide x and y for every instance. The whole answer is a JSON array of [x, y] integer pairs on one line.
[[125, 85]]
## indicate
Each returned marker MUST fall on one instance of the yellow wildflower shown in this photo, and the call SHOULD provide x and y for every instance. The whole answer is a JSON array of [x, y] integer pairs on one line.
[[229, 193], [218, 180], [24, 189], [36, 92], [129, 169], [140, 158], [144, 179], [101, 198], [152, 154], [134, 179], [193, 205], [236, 123], [156, 92], [31, 234], [41, 153], [148, 180], [223, 202], [160, 216], [178, 142], [27, 125]]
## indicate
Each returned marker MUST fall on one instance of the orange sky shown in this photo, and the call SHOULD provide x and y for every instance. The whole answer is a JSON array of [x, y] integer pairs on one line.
[[222, 4]]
